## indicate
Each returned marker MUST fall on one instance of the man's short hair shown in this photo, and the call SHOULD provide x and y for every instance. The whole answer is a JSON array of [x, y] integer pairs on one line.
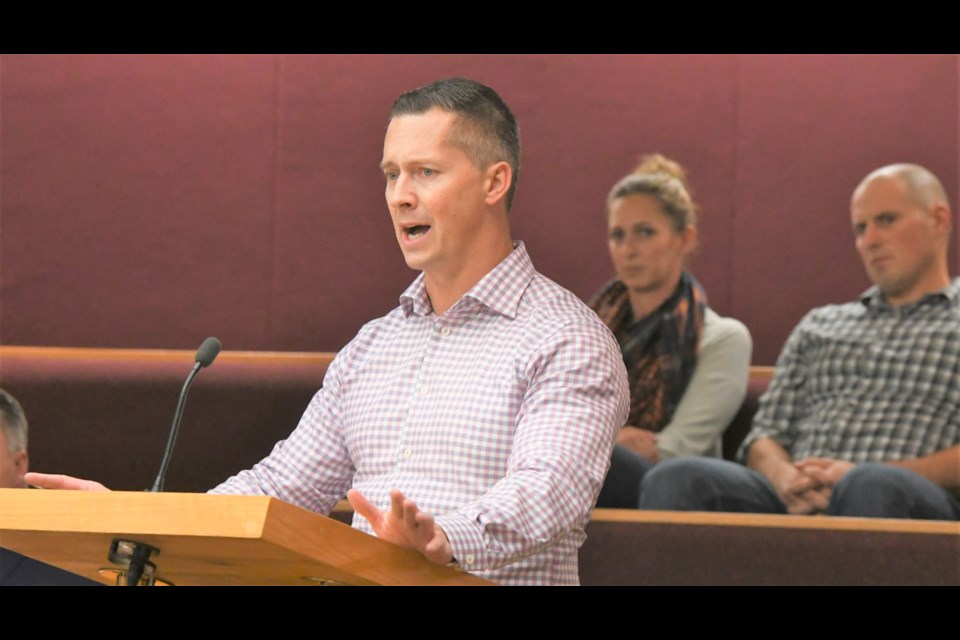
[[923, 186], [14, 423], [486, 129]]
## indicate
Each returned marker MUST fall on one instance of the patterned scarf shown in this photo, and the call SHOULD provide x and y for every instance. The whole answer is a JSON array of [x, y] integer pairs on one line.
[[659, 351]]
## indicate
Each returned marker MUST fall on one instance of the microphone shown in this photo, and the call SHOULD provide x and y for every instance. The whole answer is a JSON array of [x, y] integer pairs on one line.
[[206, 354]]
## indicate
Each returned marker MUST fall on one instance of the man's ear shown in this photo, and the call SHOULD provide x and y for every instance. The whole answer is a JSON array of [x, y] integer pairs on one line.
[[497, 182], [941, 219], [21, 462]]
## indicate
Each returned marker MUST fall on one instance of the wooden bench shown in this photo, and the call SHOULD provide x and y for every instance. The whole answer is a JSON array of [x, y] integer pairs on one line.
[[106, 413], [691, 548]]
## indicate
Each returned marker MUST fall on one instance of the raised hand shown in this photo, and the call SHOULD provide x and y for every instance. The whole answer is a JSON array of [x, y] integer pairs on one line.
[[404, 524]]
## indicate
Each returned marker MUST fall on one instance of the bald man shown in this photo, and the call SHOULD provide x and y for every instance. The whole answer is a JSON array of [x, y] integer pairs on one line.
[[862, 417]]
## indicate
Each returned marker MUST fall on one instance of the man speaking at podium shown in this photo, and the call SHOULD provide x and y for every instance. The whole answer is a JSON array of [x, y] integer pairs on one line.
[[475, 422]]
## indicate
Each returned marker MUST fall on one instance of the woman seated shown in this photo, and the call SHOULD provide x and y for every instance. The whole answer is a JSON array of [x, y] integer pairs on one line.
[[687, 366]]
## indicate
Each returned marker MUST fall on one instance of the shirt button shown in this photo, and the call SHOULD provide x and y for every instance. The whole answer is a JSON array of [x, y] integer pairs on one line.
[[423, 390], [445, 331], [468, 559], [407, 453]]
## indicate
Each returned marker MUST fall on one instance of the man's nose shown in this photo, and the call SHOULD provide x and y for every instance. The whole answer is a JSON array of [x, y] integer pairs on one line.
[[400, 193], [870, 237]]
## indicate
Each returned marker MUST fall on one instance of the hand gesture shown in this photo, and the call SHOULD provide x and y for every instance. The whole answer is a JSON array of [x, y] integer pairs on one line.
[[404, 524]]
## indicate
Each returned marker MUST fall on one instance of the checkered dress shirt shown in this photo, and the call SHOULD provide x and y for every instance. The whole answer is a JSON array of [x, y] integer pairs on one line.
[[498, 417], [867, 382]]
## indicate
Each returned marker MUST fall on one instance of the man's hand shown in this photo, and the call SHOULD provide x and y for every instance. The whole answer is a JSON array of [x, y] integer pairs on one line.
[[798, 490], [825, 470], [825, 474], [801, 493], [54, 481], [406, 525], [640, 441]]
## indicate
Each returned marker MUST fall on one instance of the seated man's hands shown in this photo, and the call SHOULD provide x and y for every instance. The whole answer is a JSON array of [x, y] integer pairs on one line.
[[55, 481], [813, 483], [404, 524], [801, 493], [826, 470]]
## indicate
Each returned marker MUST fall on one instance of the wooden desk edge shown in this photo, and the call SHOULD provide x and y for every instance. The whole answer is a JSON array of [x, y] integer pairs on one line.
[[164, 355], [825, 523], [185, 355]]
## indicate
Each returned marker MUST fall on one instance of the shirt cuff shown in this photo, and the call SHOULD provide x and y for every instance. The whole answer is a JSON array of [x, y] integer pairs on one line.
[[466, 541]]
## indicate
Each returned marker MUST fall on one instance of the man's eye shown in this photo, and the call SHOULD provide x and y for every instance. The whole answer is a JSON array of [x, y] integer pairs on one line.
[[616, 234], [644, 232], [885, 219], [427, 172], [391, 175]]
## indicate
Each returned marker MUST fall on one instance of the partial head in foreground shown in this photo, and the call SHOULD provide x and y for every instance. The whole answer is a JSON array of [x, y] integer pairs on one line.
[[901, 221], [14, 461]]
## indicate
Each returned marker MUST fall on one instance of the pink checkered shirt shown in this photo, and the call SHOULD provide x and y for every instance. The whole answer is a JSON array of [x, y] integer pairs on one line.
[[498, 417]]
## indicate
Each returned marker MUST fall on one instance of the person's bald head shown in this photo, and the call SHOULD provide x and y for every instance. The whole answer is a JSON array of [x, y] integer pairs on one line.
[[920, 184], [901, 221]]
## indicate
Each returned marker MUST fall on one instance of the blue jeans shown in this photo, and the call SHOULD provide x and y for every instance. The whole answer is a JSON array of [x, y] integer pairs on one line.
[[621, 489], [867, 490]]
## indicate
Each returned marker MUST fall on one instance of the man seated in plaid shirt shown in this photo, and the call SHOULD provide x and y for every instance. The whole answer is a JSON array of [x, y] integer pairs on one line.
[[862, 417], [475, 422]]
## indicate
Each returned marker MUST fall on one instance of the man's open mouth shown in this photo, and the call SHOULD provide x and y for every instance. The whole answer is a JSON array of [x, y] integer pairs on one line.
[[416, 231]]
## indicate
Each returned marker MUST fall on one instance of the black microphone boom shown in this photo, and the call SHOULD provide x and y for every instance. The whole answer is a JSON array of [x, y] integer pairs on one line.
[[205, 356]]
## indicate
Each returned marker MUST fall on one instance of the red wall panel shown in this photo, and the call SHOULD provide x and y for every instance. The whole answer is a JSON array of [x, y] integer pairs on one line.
[[137, 195], [337, 260], [811, 127], [586, 119], [153, 200]]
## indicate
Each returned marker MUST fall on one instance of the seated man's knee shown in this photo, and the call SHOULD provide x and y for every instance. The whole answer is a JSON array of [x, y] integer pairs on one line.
[[884, 491], [681, 484]]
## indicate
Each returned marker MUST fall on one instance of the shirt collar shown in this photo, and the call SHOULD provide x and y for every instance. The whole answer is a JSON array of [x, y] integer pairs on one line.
[[873, 298], [500, 290]]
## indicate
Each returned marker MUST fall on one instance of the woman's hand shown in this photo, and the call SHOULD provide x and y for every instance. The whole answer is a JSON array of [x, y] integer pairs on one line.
[[640, 441]]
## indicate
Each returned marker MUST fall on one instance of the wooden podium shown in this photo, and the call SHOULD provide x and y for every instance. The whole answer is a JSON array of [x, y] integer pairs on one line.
[[207, 540]]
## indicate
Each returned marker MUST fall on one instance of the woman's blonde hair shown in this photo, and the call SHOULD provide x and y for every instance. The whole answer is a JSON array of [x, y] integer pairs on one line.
[[665, 181]]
